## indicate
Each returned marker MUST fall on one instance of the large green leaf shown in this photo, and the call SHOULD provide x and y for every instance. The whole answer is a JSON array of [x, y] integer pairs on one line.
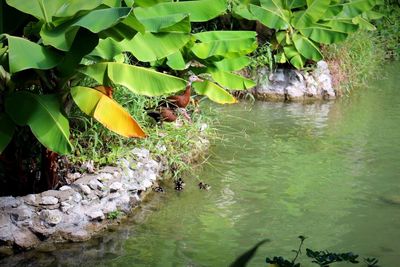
[[24, 54], [295, 58], [147, 3], [315, 10], [232, 64], [243, 11], [291, 4], [71, 8], [364, 23], [43, 115], [108, 112], [84, 42], [224, 43], [41, 9], [272, 14], [323, 34], [176, 61], [214, 92], [306, 47], [125, 29], [199, 11], [342, 25], [356, 7], [224, 35], [139, 80], [6, 131], [61, 37], [232, 81], [146, 47], [150, 47], [170, 23], [107, 49]]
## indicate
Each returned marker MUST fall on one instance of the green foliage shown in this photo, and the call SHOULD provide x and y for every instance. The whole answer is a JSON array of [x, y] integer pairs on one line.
[[388, 29], [42, 113], [321, 258], [355, 61], [114, 215], [66, 43], [302, 26]]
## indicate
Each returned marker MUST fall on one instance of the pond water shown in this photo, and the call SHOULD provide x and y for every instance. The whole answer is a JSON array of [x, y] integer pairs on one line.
[[329, 171]]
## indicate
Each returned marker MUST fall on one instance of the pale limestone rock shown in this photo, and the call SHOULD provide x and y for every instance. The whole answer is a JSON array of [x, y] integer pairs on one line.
[[51, 217], [49, 200], [95, 215], [116, 186]]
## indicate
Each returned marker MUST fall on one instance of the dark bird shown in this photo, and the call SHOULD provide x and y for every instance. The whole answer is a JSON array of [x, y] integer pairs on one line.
[[181, 101], [161, 114], [179, 184], [168, 109], [158, 189], [204, 186]]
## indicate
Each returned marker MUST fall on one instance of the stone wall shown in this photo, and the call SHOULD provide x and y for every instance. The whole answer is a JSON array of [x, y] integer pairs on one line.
[[77, 211], [290, 84]]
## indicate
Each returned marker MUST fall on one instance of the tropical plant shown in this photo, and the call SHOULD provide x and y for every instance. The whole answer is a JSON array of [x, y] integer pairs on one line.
[[302, 25], [57, 44]]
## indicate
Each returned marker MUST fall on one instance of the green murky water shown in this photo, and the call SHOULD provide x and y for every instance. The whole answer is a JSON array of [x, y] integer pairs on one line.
[[329, 171]]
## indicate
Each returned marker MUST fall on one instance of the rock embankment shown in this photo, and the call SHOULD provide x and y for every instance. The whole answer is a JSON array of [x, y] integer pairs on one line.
[[294, 85], [76, 211]]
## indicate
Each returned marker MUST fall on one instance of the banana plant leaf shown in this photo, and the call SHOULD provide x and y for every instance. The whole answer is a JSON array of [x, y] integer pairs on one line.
[[41, 9], [214, 92], [224, 43], [83, 44], [224, 35], [139, 80], [306, 47], [291, 4], [224, 48], [272, 14], [6, 131], [107, 49], [232, 81], [43, 115], [356, 7], [71, 8], [150, 47], [242, 10], [199, 11], [170, 23], [323, 34], [147, 3], [315, 10], [343, 25], [24, 54], [295, 58], [125, 29], [107, 111], [176, 61], [61, 37], [232, 64], [364, 23]]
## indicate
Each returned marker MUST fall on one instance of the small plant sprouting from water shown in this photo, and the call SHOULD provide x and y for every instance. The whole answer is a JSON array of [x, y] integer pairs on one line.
[[321, 258], [114, 215], [282, 262]]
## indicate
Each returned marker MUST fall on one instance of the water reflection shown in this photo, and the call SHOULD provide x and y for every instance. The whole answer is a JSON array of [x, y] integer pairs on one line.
[[326, 170]]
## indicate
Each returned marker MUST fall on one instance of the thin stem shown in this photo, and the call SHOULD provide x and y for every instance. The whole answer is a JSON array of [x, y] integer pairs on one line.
[[299, 249]]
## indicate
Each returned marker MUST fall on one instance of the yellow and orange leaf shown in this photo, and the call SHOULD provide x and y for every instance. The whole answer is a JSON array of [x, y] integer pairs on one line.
[[107, 90], [107, 111]]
